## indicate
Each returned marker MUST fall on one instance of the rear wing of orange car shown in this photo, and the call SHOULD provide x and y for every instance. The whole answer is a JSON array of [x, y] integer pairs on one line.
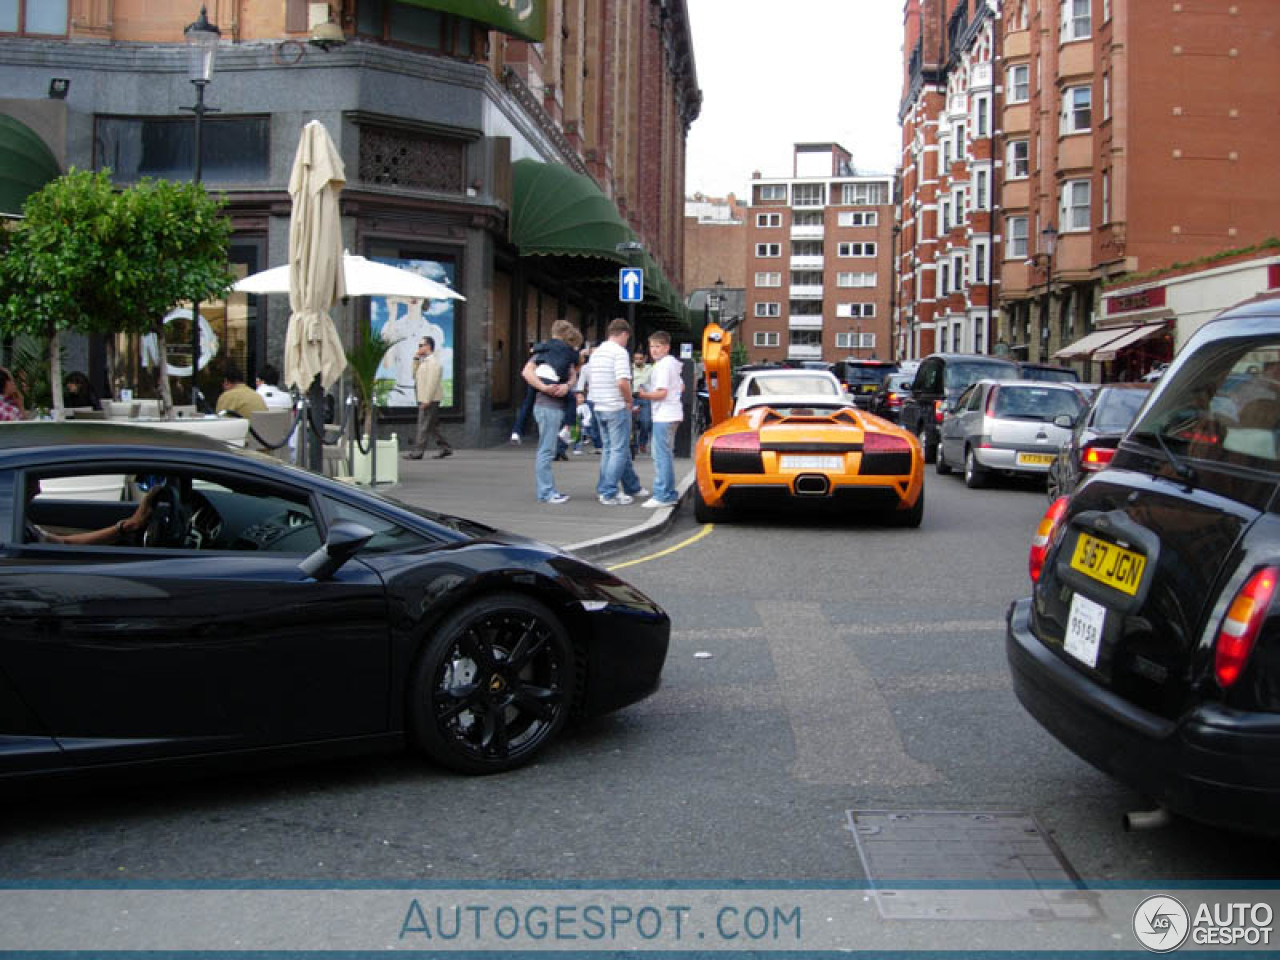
[[717, 343]]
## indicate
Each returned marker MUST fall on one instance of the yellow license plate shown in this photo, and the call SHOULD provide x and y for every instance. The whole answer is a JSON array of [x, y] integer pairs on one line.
[[1108, 563], [1035, 459]]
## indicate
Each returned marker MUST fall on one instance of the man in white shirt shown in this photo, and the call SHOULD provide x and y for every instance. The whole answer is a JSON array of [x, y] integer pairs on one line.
[[664, 392], [609, 391]]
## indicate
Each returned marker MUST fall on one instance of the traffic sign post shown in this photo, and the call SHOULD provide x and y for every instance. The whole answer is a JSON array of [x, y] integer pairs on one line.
[[631, 292]]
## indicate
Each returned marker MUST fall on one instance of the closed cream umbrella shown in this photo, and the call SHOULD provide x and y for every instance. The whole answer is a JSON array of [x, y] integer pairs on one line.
[[312, 346]]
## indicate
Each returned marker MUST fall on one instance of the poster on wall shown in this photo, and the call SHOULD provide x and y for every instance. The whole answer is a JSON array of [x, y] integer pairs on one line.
[[404, 322]]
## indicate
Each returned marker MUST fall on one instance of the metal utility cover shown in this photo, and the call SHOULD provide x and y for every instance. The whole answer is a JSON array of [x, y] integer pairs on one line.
[[966, 865]]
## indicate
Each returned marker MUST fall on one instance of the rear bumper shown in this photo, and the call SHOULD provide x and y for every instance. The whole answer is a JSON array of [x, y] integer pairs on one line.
[[1005, 460], [1215, 765]]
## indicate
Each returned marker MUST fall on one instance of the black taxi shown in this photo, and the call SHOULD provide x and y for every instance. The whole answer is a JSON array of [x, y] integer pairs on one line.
[[1150, 645]]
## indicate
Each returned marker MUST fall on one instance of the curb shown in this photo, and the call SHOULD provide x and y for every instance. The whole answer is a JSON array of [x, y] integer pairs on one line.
[[662, 518]]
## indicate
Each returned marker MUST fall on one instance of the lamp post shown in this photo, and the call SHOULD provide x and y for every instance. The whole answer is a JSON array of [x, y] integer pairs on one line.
[[1049, 245], [202, 49], [719, 286]]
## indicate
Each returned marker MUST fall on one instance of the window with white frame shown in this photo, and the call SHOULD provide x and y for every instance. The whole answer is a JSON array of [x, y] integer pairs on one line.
[[1077, 109], [1077, 19], [980, 261], [766, 309], [768, 249], [768, 279], [767, 338], [808, 194], [957, 272], [1017, 159], [944, 153], [961, 143], [981, 189], [858, 218], [855, 279], [805, 338], [1106, 197], [855, 250], [855, 340], [1015, 242], [1075, 205], [1019, 83], [944, 216], [1106, 96], [1106, 10], [772, 191], [768, 219], [944, 278], [982, 116], [958, 216], [855, 310], [865, 194]]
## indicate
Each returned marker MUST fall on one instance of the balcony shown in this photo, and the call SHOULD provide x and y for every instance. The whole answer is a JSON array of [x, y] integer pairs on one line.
[[807, 262], [806, 232], [806, 292], [797, 351], [805, 322]]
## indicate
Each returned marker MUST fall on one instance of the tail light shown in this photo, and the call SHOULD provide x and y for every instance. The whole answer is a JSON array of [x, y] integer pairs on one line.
[[741, 442], [895, 399], [937, 411], [737, 453], [1093, 459], [885, 443], [991, 402], [1043, 538], [1241, 625]]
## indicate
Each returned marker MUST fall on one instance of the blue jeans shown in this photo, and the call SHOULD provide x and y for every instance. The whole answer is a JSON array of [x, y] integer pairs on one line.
[[664, 467], [644, 423], [615, 466], [548, 420]]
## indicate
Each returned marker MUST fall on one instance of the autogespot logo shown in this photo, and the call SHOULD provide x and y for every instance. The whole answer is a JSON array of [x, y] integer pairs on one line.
[[1161, 923]]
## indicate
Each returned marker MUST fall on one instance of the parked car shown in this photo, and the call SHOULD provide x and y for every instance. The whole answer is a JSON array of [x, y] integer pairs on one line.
[[862, 378], [939, 380], [1047, 371], [269, 611], [1150, 645], [1095, 434], [887, 401], [1008, 427]]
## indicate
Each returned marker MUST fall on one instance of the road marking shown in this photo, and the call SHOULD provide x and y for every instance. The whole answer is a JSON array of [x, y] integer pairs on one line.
[[662, 553], [843, 728]]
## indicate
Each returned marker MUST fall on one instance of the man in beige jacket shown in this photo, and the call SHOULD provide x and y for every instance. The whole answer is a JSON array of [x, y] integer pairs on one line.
[[428, 381]]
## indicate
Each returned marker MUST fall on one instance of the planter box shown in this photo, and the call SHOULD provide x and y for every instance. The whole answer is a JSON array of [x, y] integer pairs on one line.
[[388, 461]]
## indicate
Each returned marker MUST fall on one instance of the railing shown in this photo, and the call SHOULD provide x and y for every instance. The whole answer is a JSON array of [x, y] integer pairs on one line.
[[807, 261], [804, 352], [807, 232], [806, 292]]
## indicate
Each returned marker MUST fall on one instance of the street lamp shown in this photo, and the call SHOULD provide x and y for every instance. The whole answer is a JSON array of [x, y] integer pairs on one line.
[[1049, 246], [202, 49], [719, 285]]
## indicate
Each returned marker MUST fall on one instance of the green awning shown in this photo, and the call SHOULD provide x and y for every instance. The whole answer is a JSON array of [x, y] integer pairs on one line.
[[527, 19], [556, 212], [26, 164]]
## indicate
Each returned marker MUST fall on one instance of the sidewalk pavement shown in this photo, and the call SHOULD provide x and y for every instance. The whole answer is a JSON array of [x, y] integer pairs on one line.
[[495, 486]]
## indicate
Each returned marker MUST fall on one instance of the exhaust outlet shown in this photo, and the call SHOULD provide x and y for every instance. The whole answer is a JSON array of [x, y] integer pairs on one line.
[[1147, 819], [812, 485]]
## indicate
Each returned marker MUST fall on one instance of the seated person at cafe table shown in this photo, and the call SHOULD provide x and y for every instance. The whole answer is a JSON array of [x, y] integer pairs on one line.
[[238, 397], [11, 406]]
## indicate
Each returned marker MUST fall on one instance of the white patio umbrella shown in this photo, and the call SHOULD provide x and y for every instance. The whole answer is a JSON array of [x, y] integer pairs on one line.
[[363, 278], [315, 277]]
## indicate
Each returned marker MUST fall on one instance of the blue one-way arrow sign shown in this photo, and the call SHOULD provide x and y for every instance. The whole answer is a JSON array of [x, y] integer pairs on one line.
[[631, 285]]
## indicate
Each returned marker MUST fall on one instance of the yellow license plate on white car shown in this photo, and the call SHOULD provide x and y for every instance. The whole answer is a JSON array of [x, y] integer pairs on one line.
[[1035, 459], [1108, 563], [805, 461]]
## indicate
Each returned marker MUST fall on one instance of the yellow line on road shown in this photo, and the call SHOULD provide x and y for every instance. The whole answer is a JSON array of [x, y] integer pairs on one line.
[[662, 553]]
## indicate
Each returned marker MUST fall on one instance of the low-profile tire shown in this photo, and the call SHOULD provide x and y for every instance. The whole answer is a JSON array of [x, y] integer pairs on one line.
[[705, 513], [1053, 482], [493, 686], [912, 516], [922, 433], [975, 476], [940, 465]]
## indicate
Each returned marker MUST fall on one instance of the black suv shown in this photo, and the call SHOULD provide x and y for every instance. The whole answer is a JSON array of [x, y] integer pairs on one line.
[[1150, 644], [862, 378], [940, 379]]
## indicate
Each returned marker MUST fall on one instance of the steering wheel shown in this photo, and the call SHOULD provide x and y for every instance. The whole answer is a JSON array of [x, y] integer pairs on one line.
[[167, 526]]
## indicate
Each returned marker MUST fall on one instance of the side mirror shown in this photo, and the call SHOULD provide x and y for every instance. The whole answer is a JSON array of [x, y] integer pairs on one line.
[[345, 540], [1065, 421]]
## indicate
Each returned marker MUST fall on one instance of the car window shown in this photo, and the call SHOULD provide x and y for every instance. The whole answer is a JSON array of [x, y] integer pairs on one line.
[[388, 536], [1035, 403], [767, 386], [966, 398], [1224, 405], [962, 372], [1115, 409]]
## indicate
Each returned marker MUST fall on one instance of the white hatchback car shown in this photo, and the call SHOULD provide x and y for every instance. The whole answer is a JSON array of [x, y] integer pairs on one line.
[[759, 386], [1006, 426]]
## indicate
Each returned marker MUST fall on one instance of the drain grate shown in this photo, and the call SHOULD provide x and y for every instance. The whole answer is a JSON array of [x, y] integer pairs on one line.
[[966, 865]]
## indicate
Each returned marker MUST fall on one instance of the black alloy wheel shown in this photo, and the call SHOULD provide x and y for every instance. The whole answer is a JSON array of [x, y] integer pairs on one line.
[[493, 686], [1053, 479]]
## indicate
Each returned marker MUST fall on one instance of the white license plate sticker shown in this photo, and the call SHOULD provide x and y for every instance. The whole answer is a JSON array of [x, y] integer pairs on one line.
[[793, 461], [1084, 629]]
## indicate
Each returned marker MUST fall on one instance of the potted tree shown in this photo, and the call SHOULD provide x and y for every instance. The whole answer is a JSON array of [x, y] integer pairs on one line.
[[372, 391]]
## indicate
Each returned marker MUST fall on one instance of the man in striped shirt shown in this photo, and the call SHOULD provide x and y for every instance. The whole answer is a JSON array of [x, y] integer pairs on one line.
[[610, 395]]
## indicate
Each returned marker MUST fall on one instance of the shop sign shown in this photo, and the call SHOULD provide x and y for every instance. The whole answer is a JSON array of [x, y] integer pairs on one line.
[[1148, 299]]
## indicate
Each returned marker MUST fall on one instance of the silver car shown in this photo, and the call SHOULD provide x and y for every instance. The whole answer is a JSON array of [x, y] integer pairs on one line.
[[1006, 426]]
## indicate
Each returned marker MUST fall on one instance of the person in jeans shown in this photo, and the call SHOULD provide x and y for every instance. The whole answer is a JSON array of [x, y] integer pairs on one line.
[[664, 392], [610, 395], [551, 373]]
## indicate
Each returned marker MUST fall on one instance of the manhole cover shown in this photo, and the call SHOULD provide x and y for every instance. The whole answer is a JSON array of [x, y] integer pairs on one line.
[[966, 865]]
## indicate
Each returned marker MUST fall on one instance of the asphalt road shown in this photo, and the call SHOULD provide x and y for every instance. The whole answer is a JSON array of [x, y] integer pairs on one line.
[[815, 669]]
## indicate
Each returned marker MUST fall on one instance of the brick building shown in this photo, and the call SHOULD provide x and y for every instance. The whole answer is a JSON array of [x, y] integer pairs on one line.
[[507, 152]]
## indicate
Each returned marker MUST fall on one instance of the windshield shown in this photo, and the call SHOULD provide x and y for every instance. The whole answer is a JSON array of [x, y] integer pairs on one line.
[[1036, 403], [866, 374], [959, 374], [1117, 408], [1223, 406]]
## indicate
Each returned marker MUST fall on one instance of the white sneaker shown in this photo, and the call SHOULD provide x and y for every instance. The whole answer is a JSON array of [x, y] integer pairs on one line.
[[515, 438], [621, 500], [566, 435], [653, 503], [558, 498], [642, 492]]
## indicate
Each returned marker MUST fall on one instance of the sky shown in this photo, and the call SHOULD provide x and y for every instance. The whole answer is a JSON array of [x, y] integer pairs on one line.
[[834, 74]]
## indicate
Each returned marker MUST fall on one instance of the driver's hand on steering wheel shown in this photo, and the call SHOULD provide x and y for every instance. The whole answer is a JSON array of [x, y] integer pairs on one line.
[[142, 516]]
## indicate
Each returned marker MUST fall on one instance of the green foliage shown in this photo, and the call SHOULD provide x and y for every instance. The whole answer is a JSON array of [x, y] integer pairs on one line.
[[29, 364], [363, 361], [738, 352], [1271, 244]]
